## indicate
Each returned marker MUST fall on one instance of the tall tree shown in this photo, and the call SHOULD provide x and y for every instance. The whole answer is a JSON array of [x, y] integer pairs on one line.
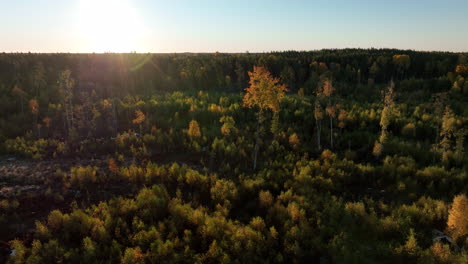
[[402, 63], [47, 120], [447, 133], [139, 119], [328, 91], [34, 107], [386, 117], [342, 116], [438, 104], [265, 93], [457, 220], [65, 88], [318, 115], [39, 78], [21, 95]]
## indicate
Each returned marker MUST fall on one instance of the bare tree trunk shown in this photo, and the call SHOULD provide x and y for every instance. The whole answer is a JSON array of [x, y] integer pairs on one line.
[[71, 112], [67, 121], [114, 117], [435, 144], [331, 132], [22, 107], [318, 134], [35, 127], [257, 139]]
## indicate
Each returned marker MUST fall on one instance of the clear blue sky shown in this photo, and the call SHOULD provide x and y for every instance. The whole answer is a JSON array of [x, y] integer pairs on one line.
[[231, 25]]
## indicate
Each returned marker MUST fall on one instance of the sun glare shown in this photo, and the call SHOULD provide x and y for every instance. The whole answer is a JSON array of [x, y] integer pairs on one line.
[[110, 26]]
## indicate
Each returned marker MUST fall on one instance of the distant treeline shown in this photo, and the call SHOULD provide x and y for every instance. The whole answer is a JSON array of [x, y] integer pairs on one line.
[[111, 74]]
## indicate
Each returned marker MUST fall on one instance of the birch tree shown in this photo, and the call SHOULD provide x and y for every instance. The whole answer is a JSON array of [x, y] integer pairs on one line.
[[264, 94]]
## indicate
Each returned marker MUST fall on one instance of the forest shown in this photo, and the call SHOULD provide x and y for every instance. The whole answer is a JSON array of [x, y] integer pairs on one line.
[[327, 156]]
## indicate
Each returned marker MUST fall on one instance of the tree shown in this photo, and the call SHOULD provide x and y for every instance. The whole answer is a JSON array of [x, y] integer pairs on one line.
[[294, 141], [19, 252], [21, 95], [34, 107], [462, 70], [288, 76], [228, 125], [139, 119], [342, 116], [265, 93], [194, 129], [39, 77], [133, 256], [438, 104], [112, 166], [265, 198], [374, 69], [328, 91], [47, 120], [402, 63], [240, 75], [459, 141], [65, 88], [447, 132], [457, 222], [318, 115], [386, 117]]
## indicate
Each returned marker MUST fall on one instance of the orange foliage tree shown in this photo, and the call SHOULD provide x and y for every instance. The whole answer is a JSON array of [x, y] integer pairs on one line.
[[265, 93], [139, 119]]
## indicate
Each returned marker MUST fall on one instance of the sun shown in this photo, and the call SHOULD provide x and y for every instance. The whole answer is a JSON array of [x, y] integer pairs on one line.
[[110, 26]]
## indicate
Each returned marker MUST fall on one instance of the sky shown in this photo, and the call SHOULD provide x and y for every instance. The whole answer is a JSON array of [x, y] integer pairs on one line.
[[231, 25]]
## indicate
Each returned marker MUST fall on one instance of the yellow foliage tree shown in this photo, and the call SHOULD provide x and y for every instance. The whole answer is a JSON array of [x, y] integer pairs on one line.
[[265, 198], [458, 216], [385, 118], [447, 132], [265, 93], [294, 141], [194, 129], [228, 125]]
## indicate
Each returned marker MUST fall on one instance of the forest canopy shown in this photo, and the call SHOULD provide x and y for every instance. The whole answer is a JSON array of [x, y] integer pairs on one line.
[[330, 156]]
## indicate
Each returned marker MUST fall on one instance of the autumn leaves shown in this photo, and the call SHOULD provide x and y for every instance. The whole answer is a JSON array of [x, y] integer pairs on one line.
[[265, 93]]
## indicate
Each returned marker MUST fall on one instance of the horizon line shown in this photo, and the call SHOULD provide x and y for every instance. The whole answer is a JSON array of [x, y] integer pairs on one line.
[[226, 52]]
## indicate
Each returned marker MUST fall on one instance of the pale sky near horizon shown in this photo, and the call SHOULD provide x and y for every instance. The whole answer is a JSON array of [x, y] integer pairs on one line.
[[230, 25]]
